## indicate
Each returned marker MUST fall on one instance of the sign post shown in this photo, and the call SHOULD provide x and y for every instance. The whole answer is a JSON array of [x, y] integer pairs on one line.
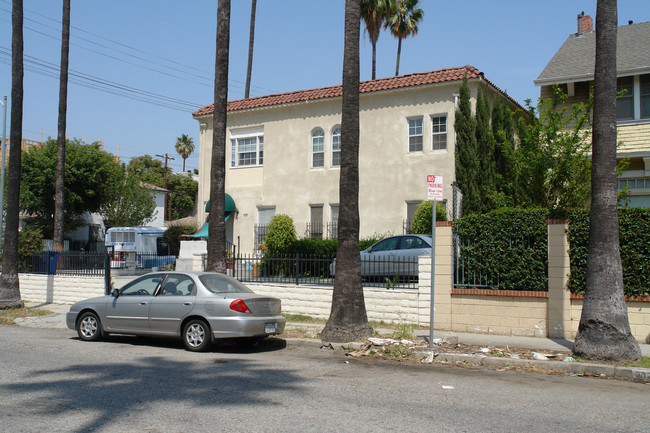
[[434, 194]]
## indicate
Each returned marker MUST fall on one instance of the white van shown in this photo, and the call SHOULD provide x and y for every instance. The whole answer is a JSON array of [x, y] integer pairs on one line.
[[146, 242]]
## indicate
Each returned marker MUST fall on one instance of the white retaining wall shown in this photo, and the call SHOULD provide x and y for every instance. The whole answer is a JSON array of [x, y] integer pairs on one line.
[[59, 289]]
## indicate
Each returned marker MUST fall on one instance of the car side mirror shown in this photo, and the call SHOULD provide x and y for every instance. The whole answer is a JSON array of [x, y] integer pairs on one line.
[[115, 293]]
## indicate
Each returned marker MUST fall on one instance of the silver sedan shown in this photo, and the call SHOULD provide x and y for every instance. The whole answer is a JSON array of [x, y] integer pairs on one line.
[[199, 307]]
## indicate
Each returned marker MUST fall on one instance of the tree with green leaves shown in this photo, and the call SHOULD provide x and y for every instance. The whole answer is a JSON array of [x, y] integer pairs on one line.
[[90, 173], [217, 226], [405, 17], [374, 14], [485, 152], [59, 199], [604, 330], [348, 319], [148, 170], [467, 162], [504, 151], [183, 191], [9, 285], [128, 203], [184, 147]]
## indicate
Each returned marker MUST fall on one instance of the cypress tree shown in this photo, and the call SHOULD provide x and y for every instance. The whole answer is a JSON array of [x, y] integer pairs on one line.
[[467, 166], [485, 152], [504, 149]]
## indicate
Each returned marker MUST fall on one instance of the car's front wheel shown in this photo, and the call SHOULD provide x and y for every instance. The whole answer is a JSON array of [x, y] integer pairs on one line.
[[88, 327], [196, 335]]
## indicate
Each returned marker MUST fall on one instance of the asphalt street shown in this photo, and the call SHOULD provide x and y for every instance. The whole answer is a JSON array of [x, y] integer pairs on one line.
[[51, 381]]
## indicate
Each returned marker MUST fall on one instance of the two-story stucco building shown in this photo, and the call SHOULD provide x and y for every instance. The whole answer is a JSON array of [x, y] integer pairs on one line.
[[572, 68], [284, 153]]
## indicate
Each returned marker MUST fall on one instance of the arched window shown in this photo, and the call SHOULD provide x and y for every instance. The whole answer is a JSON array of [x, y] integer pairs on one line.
[[317, 148], [336, 147]]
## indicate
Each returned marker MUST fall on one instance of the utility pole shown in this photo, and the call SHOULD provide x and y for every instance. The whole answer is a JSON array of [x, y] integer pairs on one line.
[[2, 168], [168, 202]]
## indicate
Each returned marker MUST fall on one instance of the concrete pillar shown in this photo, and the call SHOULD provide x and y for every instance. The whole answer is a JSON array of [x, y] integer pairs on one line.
[[444, 280], [559, 267]]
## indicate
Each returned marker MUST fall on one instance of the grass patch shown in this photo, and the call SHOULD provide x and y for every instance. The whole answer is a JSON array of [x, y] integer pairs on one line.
[[9, 316], [301, 318], [644, 363]]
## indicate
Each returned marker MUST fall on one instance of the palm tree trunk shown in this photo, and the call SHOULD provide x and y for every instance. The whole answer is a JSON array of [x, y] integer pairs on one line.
[[59, 194], [399, 53], [348, 320], [251, 39], [604, 330], [217, 227], [374, 58], [9, 285]]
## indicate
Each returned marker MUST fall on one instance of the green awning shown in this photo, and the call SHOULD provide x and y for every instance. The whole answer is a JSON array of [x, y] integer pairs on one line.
[[203, 233], [229, 205]]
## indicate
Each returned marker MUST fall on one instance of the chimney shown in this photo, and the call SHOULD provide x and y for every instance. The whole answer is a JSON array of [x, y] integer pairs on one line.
[[585, 23]]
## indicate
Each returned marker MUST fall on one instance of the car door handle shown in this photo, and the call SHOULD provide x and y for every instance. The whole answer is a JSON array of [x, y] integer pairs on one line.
[[143, 303], [187, 303]]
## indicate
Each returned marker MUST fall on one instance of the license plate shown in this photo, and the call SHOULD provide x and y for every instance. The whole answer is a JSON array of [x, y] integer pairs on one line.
[[269, 327]]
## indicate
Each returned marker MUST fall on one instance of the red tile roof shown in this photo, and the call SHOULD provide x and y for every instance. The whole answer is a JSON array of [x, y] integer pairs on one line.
[[390, 83]]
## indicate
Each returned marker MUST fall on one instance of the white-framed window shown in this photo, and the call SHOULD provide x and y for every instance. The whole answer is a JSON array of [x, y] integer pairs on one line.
[[415, 134], [645, 96], [439, 132], [317, 148], [625, 102], [247, 148], [336, 147]]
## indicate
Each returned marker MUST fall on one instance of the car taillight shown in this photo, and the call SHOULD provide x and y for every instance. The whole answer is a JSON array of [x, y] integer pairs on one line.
[[240, 306]]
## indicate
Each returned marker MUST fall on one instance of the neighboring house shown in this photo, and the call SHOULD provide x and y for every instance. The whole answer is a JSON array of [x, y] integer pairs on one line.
[[283, 153], [572, 68], [159, 212]]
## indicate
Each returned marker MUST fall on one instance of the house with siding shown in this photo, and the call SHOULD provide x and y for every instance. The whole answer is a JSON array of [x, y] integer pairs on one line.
[[572, 69], [283, 154]]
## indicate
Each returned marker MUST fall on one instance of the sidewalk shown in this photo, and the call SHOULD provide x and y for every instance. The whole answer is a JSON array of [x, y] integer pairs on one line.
[[57, 321]]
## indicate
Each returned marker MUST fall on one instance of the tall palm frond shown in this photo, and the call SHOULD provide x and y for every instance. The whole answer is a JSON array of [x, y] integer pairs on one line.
[[403, 22], [184, 147]]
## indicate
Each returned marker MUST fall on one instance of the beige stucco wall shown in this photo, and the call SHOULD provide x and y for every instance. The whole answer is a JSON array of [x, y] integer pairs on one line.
[[389, 175], [638, 314]]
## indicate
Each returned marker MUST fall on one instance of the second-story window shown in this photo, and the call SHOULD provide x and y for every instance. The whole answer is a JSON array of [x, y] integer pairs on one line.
[[439, 133], [336, 147], [625, 102], [645, 96], [317, 148], [415, 135], [247, 150]]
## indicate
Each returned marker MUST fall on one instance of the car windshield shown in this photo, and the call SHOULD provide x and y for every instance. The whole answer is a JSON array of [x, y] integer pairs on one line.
[[223, 284]]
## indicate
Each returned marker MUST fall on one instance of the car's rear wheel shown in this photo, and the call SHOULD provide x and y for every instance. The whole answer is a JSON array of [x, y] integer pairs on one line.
[[88, 327], [196, 335]]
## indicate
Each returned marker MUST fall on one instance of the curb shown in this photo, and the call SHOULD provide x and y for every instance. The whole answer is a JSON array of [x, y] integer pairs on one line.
[[578, 368]]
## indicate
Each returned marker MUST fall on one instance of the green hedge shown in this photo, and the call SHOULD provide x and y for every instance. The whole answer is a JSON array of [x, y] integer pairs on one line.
[[634, 232], [507, 247]]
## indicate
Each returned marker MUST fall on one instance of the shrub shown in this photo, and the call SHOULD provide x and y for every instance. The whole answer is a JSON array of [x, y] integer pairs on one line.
[[507, 247], [634, 232], [30, 242], [280, 236], [423, 216], [172, 236]]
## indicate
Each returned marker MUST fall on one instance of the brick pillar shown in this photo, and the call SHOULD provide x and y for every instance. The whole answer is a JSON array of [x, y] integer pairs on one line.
[[444, 280], [559, 298]]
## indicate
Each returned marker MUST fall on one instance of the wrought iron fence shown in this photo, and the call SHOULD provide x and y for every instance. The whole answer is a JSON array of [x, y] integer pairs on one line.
[[79, 263], [314, 231], [319, 270]]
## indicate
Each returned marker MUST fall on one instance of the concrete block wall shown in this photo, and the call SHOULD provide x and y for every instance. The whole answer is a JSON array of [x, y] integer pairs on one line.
[[59, 289]]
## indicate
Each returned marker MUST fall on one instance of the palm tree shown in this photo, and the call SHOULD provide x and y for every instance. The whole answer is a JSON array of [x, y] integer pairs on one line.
[[374, 14], [217, 227], [604, 330], [348, 320], [403, 22], [59, 194], [9, 285], [251, 39], [184, 147]]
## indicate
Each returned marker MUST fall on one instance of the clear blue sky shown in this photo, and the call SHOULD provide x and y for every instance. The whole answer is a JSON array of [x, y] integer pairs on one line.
[[166, 48]]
